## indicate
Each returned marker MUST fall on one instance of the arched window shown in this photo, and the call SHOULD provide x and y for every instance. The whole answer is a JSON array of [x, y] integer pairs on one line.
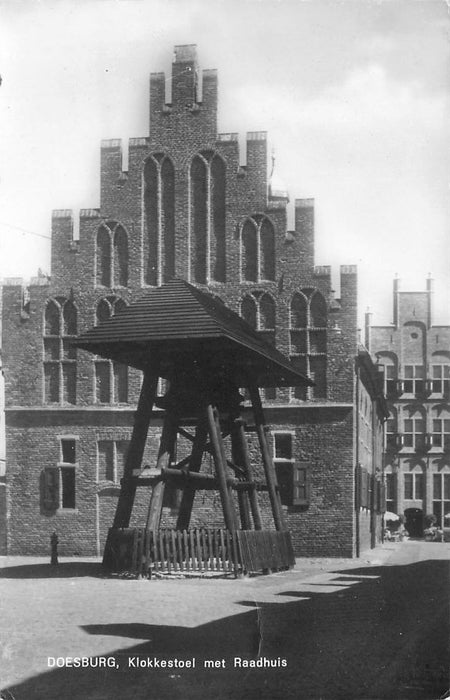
[[208, 216], [70, 318], [111, 378], [52, 318], [260, 312], [308, 339], [103, 257], [299, 311], [257, 249], [267, 244], [267, 316], [112, 255], [120, 257], [248, 310], [159, 203], [249, 251], [318, 311], [60, 326]]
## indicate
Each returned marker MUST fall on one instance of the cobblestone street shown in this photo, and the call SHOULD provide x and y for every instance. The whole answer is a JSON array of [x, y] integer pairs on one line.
[[377, 627]]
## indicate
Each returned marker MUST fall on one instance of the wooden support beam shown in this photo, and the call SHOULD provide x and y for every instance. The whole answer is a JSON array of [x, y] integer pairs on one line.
[[165, 455], [218, 452], [136, 448], [269, 468], [195, 462], [244, 508], [242, 456]]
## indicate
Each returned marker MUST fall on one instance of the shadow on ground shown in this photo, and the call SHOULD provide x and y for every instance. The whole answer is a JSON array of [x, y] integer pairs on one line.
[[72, 569], [384, 635]]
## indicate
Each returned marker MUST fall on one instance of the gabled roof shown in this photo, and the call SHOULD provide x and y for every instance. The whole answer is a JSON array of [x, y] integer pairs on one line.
[[187, 327]]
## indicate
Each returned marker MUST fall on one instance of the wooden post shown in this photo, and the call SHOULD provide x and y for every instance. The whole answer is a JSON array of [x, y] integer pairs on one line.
[[269, 468], [195, 462], [239, 443], [136, 448], [219, 457], [238, 459], [165, 455]]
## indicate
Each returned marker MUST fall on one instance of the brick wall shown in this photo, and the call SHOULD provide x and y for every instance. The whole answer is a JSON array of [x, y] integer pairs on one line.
[[323, 427]]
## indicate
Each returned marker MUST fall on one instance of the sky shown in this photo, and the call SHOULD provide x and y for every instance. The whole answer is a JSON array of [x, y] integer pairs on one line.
[[354, 96]]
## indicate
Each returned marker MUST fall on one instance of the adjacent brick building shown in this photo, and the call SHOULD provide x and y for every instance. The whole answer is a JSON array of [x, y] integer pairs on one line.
[[186, 207], [415, 355]]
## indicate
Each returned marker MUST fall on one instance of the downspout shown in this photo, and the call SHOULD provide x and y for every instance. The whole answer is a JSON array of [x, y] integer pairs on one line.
[[373, 500], [356, 467]]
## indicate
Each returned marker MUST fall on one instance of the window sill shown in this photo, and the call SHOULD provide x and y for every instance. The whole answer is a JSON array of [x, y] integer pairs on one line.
[[66, 511]]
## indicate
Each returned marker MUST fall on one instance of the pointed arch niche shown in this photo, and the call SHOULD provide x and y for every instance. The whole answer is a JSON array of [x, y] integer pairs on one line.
[[110, 378], [60, 368], [259, 310], [208, 218], [308, 340], [111, 255], [159, 206], [257, 244]]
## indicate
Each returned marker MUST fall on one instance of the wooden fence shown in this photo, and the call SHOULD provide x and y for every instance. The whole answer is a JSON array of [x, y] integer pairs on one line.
[[143, 552]]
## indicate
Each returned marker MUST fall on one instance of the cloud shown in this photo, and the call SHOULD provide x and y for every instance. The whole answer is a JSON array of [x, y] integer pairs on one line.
[[366, 101]]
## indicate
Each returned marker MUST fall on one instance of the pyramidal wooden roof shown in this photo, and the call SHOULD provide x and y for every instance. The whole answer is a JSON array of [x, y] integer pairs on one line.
[[184, 326]]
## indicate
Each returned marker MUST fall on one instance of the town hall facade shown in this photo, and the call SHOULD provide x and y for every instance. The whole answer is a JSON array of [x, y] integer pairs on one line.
[[187, 208]]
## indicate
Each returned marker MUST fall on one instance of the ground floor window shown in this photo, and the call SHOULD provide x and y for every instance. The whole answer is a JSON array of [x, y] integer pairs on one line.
[[292, 476], [111, 455], [413, 486], [441, 497], [59, 488], [59, 492], [390, 492]]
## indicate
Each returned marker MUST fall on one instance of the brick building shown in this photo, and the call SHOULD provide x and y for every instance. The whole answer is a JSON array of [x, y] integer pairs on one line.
[[415, 355], [186, 207]]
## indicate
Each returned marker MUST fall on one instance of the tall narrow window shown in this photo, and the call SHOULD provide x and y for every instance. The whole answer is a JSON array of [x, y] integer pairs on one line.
[[111, 378], [111, 456], [103, 257], [308, 338], [249, 252], [390, 482], [292, 477], [441, 429], [257, 249], [208, 217], [168, 218], [111, 255], [120, 257], [159, 203], [60, 327], [391, 432], [441, 496], [248, 310], [259, 312], [60, 480]]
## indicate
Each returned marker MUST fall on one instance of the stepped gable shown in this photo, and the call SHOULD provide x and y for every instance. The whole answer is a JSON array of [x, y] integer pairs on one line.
[[187, 327]]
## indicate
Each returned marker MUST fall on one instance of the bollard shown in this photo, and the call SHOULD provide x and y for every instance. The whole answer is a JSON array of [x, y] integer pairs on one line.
[[54, 549]]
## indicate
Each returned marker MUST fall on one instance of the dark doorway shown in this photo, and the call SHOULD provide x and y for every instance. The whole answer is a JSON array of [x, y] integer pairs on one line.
[[414, 522]]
